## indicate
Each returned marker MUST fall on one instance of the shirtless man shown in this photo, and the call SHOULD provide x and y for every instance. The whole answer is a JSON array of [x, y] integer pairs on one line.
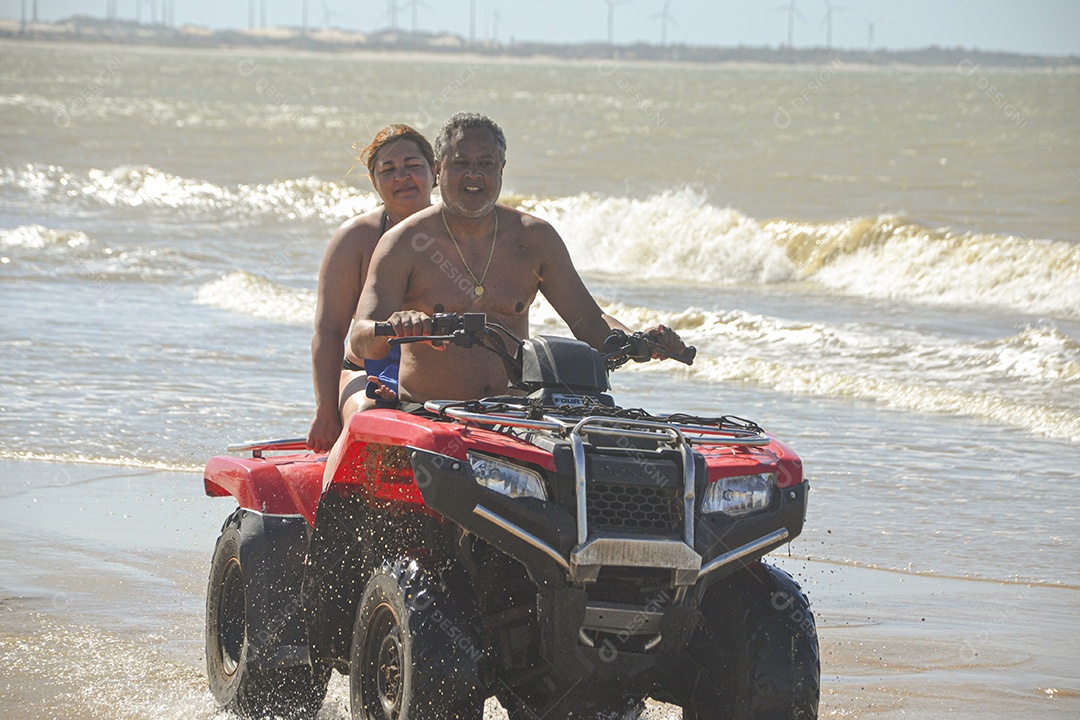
[[470, 255]]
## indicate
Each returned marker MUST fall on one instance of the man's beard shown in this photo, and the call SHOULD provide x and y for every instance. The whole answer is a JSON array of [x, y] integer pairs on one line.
[[457, 209]]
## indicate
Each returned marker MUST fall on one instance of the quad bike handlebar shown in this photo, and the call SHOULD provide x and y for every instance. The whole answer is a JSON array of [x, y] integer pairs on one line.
[[620, 348], [474, 330], [465, 330]]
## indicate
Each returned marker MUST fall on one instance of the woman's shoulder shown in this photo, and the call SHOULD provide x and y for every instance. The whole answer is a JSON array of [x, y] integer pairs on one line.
[[370, 220], [362, 229]]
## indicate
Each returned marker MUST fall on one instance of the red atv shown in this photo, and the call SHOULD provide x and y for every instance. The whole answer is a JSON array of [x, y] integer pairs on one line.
[[551, 549]]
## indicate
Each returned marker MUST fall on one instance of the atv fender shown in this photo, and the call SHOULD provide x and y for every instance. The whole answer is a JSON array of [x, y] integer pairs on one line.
[[284, 485], [272, 551]]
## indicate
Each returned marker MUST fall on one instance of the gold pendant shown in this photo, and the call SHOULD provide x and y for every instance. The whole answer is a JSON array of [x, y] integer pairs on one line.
[[478, 290]]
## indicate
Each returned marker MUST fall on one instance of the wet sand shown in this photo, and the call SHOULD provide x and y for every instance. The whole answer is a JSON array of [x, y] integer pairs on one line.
[[102, 583]]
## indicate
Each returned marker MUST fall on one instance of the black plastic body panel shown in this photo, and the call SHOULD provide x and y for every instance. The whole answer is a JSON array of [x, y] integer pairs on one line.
[[272, 551]]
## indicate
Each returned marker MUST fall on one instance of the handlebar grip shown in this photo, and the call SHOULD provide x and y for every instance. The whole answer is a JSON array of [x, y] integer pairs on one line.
[[687, 355], [384, 329]]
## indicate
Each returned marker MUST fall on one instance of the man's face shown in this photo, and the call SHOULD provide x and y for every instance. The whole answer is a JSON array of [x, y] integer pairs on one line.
[[471, 173]]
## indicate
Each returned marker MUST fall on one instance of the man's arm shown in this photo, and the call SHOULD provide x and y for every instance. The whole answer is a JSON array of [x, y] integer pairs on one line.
[[564, 289]]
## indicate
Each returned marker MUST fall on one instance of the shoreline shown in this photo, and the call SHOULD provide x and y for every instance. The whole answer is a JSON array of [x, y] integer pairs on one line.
[[91, 32]]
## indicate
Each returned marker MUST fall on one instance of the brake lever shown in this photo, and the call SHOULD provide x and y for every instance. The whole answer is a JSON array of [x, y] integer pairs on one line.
[[620, 348], [686, 356], [433, 339]]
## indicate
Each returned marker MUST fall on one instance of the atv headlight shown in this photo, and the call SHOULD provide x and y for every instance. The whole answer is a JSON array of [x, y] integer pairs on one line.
[[739, 495], [508, 479]]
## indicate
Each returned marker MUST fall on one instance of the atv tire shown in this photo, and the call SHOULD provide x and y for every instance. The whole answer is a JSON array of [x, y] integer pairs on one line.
[[757, 650], [250, 692], [416, 648]]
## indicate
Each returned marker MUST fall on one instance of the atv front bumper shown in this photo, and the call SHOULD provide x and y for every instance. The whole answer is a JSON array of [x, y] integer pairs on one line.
[[544, 536]]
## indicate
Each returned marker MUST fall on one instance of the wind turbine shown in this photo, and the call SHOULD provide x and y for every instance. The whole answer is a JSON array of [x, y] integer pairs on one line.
[[664, 16], [829, 10], [328, 14], [870, 37], [496, 18], [391, 9], [791, 11], [611, 4], [415, 4]]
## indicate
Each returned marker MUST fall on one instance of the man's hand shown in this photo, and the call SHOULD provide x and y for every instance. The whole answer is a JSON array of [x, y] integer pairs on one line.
[[410, 323], [667, 340]]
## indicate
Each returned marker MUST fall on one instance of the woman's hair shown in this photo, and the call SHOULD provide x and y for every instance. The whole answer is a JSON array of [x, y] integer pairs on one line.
[[389, 135]]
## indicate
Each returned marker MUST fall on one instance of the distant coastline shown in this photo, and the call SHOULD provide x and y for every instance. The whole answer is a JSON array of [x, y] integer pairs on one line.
[[85, 29]]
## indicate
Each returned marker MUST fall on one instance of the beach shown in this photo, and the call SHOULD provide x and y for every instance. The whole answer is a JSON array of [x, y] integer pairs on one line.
[[880, 266], [104, 582]]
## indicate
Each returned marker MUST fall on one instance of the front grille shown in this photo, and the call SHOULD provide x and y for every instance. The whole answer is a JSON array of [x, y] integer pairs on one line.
[[635, 509]]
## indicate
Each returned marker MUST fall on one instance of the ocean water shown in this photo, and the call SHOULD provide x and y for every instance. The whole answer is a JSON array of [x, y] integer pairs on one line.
[[881, 266]]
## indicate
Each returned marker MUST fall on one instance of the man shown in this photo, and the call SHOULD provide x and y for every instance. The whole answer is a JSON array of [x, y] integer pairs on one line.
[[470, 255]]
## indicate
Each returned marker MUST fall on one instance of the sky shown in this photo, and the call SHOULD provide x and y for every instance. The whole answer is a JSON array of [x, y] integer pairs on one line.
[[1046, 27]]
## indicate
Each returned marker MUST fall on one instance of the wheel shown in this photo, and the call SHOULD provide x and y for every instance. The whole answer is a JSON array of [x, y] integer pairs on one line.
[[757, 649], [248, 691], [416, 648]]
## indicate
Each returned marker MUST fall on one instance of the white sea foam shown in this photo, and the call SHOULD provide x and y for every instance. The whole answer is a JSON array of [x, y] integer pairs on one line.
[[893, 393], [674, 236], [893, 259], [36, 251], [679, 237], [149, 187], [122, 461], [1024, 380], [39, 237], [259, 297]]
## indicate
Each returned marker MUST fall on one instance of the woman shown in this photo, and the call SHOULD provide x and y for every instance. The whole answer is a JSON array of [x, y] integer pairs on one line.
[[401, 165]]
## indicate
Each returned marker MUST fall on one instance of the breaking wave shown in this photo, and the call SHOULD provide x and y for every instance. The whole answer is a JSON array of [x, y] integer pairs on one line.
[[674, 236], [1023, 380], [38, 251], [259, 297], [678, 236], [148, 187]]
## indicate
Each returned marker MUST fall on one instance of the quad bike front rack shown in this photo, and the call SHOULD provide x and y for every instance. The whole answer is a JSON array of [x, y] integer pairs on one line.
[[597, 550], [498, 414]]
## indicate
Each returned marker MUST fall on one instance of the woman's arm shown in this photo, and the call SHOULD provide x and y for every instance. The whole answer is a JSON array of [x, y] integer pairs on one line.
[[340, 280]]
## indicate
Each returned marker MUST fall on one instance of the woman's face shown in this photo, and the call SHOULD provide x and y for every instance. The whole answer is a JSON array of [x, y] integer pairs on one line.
[[403, 178]]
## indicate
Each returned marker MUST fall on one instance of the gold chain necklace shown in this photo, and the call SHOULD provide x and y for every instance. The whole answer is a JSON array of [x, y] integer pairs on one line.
[[479, 289]]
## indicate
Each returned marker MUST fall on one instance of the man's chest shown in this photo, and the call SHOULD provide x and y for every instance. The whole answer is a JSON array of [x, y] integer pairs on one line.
[[508, 287]]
